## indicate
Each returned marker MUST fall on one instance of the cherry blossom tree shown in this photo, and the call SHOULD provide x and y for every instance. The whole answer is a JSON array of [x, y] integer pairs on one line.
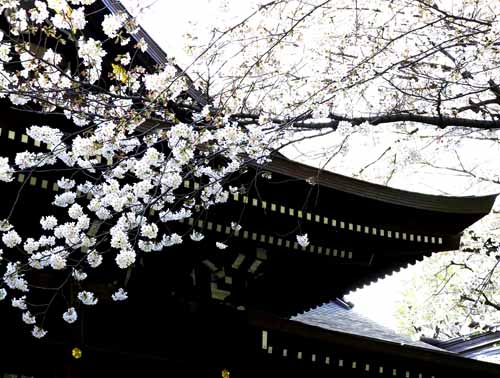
[[413, 82], [120, 112], [454, 293], [410, 89]]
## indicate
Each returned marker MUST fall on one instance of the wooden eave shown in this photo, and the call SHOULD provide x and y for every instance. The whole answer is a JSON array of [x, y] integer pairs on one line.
[[445, 204], [470, 346], [339, 259]]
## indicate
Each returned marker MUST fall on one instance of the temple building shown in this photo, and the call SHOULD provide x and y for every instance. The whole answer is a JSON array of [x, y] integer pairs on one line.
[[265, 306]]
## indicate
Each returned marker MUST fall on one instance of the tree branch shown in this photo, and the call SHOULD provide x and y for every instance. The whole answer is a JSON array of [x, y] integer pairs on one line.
[[307, 123]]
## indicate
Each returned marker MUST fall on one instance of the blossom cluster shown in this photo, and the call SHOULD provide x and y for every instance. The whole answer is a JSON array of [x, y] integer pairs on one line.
[[118, 181]]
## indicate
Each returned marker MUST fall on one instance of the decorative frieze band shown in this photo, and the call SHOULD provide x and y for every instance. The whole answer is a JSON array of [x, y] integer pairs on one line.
[[265, 205], [333, 222], [268, 239], [332, 360]]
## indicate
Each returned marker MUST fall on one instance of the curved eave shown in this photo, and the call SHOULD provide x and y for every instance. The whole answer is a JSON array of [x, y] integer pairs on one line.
[[444, 204]]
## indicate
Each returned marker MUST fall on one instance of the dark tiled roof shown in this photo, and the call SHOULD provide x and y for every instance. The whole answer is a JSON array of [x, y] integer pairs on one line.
[[338, 317], [485, 344]]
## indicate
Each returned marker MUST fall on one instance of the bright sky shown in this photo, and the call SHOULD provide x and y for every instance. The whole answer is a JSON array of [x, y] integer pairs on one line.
[[378, 301], [168, 21]]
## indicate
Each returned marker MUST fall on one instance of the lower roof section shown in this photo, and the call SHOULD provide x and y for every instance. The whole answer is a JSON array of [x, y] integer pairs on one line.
[[354, 355], [337, 316], [482, 345], [194, 339]]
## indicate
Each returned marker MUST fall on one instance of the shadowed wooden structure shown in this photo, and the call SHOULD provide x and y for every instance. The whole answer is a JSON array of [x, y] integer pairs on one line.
[[195, 310]]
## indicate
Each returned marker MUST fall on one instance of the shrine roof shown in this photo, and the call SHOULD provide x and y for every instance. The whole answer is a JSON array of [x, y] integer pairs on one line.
[[447, 204], [477, 345], [336, 316]]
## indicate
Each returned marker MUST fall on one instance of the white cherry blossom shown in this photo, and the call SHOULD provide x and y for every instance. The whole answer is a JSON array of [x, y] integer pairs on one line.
[[220, 245], [38, 332], [48, 222], [6, 171], [94, 259], [303, 240], [28, 318], [11, 239], [125, 258], [196, 236], [79, 275], [19, 303], [113, 23], [119, 295], [87, 298], [57, 262], [70, 316]]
